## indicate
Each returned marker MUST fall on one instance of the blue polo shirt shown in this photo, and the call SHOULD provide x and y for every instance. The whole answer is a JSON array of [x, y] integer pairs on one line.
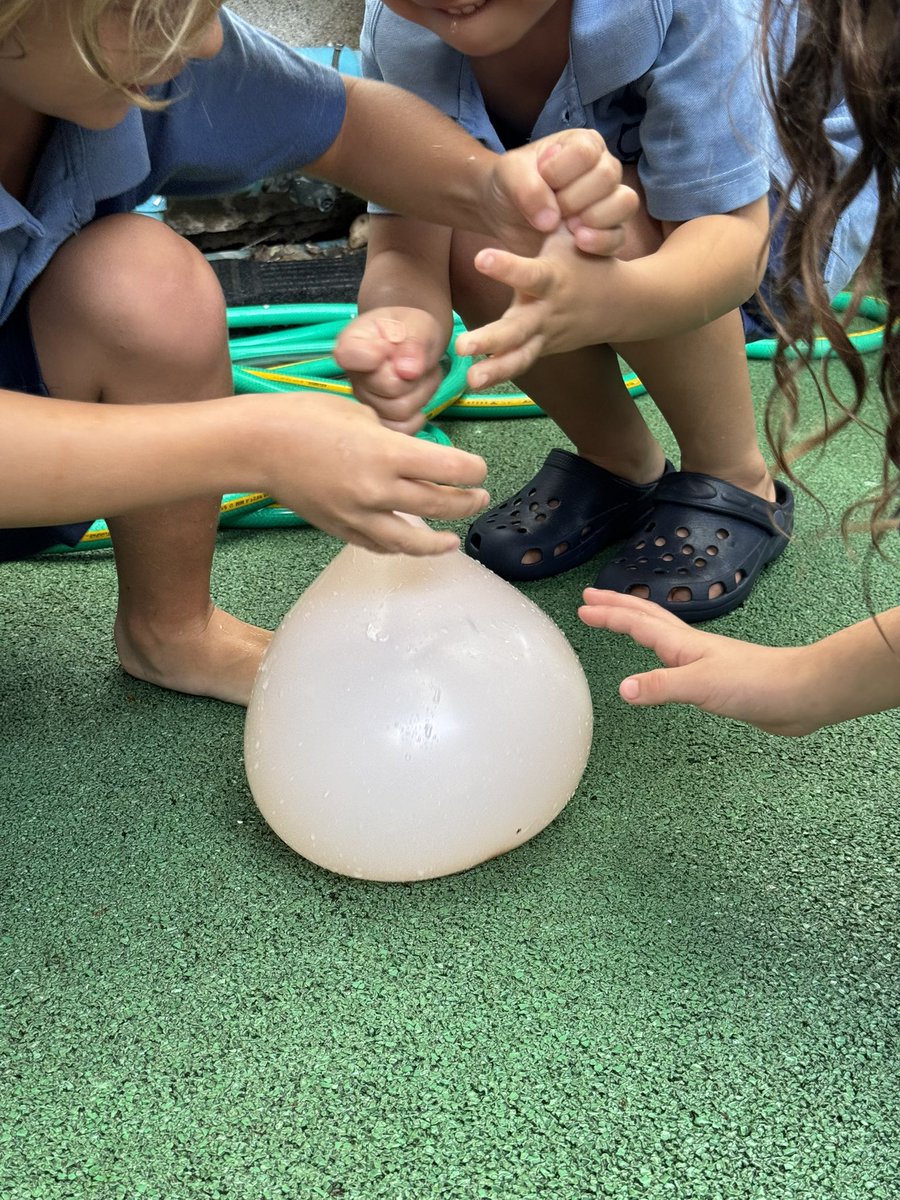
[[669, 84], [672, 85], [256, 109]]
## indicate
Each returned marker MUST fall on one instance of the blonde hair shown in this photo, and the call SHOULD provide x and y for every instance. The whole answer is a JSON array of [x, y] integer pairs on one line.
[[159, 30]]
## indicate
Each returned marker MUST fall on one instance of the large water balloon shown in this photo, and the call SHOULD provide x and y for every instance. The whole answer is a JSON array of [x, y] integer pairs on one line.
[[413, 717]]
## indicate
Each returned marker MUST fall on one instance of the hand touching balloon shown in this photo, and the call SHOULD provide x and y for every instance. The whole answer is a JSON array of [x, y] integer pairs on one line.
[[331, 461]]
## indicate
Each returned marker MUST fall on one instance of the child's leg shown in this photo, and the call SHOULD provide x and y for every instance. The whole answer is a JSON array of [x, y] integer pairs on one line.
[[130, 313], [574, 509], [700, 383], [582, 390]]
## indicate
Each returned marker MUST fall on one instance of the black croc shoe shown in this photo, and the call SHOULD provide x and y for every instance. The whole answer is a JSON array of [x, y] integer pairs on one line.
[[565, 515], [703, 535]]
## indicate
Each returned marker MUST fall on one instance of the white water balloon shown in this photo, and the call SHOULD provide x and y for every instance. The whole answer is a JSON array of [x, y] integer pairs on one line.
[[414, 717]]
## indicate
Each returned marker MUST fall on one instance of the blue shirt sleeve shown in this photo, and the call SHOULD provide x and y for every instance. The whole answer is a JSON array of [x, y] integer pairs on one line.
[[705, 133], [256, 109]]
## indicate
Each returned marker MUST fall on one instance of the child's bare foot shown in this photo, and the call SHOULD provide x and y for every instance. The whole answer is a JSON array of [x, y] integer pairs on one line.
[[216, 657]]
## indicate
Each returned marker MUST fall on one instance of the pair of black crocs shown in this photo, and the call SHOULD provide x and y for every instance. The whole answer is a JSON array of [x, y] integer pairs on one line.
[[685, 532]]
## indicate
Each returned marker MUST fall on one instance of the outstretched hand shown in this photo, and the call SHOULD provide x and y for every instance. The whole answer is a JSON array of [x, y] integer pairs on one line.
[[562, 299], [772, 688], [392, 358], [567, 178]]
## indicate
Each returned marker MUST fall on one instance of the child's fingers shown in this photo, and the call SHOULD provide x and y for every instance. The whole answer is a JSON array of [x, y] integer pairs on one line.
[[517, 179], [533, 276], [391, 533], [361, 347], [418, 461], [670, 638], [502, 367], [512, 343], [437, 501], [588, 204], [665, 685], [570, 155], [601, 243]]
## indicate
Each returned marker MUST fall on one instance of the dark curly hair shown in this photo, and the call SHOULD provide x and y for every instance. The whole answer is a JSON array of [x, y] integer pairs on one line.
[[853, 45]]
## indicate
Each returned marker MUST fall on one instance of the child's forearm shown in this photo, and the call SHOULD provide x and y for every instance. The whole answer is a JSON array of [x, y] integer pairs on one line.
[[69, 461], [402, 153], [857, 670], [408, 266], [705, 268], [323, 456]]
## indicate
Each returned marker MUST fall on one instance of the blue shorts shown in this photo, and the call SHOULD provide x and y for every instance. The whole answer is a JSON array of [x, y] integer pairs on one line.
[[21, 372]]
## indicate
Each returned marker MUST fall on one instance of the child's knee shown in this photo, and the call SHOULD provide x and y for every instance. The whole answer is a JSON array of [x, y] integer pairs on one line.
[[475, 297], [133, 285]]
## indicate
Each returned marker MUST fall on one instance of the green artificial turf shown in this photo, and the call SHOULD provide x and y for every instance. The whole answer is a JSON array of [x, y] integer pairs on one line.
[[686, 986]]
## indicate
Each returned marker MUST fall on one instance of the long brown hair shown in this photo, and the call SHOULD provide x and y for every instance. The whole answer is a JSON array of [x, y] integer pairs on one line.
[[853, 45]]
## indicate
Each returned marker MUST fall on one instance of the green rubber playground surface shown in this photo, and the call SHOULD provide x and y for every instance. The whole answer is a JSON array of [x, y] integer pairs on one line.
[[686, 986]]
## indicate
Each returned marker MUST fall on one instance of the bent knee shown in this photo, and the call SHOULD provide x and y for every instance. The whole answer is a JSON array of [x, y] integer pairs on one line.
[[476, 298], [132, 283]]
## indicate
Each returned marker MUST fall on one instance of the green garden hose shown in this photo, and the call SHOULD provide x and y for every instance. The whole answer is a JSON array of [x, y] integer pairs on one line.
[[294, 354]]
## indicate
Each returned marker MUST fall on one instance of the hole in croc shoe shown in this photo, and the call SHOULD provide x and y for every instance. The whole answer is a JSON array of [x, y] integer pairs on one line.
[[680, 595], [540, 518], [639, 545], [560, 549], [722, 534], [699, 562], [740, 576], [668, 558], [686, 549], [475, 540], [638, 589], [682, 531], [712, 551], [716, 590], [532, 491], [553, 502], [534, 506], [531, 558], [587, 531], [660, 541]]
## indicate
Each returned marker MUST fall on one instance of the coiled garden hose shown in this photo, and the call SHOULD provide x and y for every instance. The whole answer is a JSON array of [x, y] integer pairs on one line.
[[294, 353]]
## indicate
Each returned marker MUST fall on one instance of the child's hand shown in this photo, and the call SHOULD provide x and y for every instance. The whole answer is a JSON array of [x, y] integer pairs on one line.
[[391, 357], [562, 299], [775, 689], [331, 461], [567, 177]]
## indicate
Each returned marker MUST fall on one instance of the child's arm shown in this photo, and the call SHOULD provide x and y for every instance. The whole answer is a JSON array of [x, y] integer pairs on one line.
[[405, 155], [392, 351], [787, 691], [563, 299], [325, 457]]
